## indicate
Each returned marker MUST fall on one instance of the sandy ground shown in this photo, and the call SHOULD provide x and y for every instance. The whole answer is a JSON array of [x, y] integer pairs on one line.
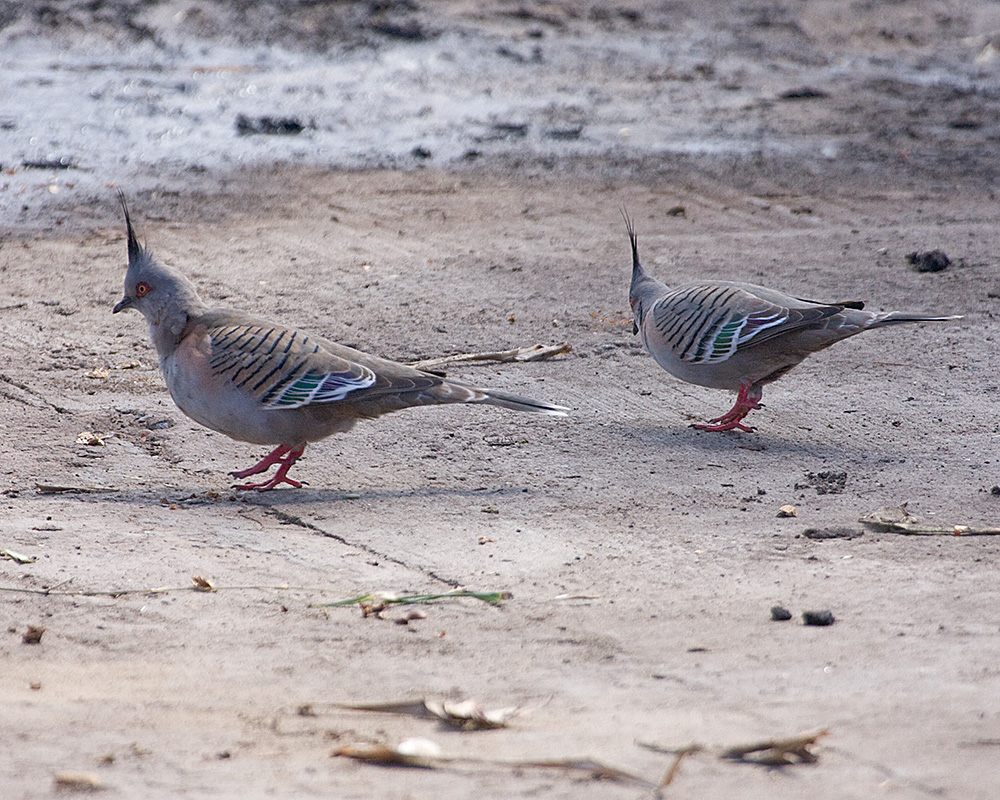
[[643, 557]]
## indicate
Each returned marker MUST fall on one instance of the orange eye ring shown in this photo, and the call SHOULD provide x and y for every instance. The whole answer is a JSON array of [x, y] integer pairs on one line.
[[142, 289]]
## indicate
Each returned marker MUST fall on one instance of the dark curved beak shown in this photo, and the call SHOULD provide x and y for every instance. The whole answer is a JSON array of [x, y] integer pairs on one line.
[[124, 303], [635, 328]]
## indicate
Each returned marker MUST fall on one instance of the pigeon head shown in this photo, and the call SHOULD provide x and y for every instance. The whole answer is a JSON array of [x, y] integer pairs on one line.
[[644, 289], [160, 293]]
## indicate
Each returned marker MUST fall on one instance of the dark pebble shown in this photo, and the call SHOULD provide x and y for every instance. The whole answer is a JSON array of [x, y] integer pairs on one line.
[[63, 162], [820, 618], [930, 261], [569, 132], [780, 613], [268, 126], [831, 533], [804, 93], [409, 30], [510, 130]]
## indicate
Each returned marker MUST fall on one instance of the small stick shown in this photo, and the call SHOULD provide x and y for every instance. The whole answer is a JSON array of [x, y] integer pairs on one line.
[[675, 767], [536, 352]]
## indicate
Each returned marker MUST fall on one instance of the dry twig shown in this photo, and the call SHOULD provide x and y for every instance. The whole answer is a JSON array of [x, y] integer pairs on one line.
[[898, 519], [537, 352]]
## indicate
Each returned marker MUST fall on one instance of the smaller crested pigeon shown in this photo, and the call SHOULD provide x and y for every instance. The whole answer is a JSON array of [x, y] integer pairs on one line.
[[737, 336], [265, 383]]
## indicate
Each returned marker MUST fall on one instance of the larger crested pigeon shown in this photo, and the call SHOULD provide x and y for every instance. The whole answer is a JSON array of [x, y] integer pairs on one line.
[[737, 336], [266, 383]]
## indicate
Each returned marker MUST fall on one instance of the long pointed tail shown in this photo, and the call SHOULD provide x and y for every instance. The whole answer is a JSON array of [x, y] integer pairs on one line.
[[899, 317], [517, 403]]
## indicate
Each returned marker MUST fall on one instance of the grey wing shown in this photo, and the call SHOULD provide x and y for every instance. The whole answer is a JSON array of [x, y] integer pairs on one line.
[[283, 367], [708, 323]]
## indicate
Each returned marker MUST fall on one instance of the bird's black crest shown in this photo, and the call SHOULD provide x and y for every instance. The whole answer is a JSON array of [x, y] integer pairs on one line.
[[134, 248], [631, 237]]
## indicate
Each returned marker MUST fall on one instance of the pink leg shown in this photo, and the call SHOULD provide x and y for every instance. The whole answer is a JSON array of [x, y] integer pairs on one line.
[[285, 456], [745, 403]]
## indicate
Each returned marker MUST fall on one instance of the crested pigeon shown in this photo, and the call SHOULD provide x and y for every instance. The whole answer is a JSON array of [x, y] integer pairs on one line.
[[266, 383], [737, 336]]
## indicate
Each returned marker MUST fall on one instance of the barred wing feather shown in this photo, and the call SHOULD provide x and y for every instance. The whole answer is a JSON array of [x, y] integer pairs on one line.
[[708, 323], [283, 368]]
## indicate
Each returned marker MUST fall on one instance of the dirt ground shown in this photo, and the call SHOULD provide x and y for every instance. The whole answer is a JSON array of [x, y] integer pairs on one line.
[[643, 557]]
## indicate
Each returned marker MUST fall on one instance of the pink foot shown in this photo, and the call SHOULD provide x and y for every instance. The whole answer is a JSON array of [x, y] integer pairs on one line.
[[285, 456], [732, 419]]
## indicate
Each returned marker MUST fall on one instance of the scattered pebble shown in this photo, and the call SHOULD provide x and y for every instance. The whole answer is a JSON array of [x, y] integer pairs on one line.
[[826, 482], [788, 511], [820, 618], [780, 613], [408, 30], [63, 162], [567, 133], [929, 261], [803, 93], [269, 126], [413, 615], [509, 130], [501, 440]]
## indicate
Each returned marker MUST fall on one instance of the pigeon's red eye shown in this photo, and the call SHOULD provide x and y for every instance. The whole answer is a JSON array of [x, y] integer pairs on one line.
[[141, 289]]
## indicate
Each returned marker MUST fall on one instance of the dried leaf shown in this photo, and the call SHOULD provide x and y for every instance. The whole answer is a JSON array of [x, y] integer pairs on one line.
[[20, 559], [129, 365], [890, 519], [468, 715], [202, 584], [777, 752], [419, 747], [897, 519], [77, 781], [788, 511], [100, 373], [418, 753], [33, 635], [771, 752], [93, 439], [410, 617]]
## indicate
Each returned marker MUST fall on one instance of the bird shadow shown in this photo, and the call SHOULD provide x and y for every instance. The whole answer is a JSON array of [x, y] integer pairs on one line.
[[307, 495], [682, 439]]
